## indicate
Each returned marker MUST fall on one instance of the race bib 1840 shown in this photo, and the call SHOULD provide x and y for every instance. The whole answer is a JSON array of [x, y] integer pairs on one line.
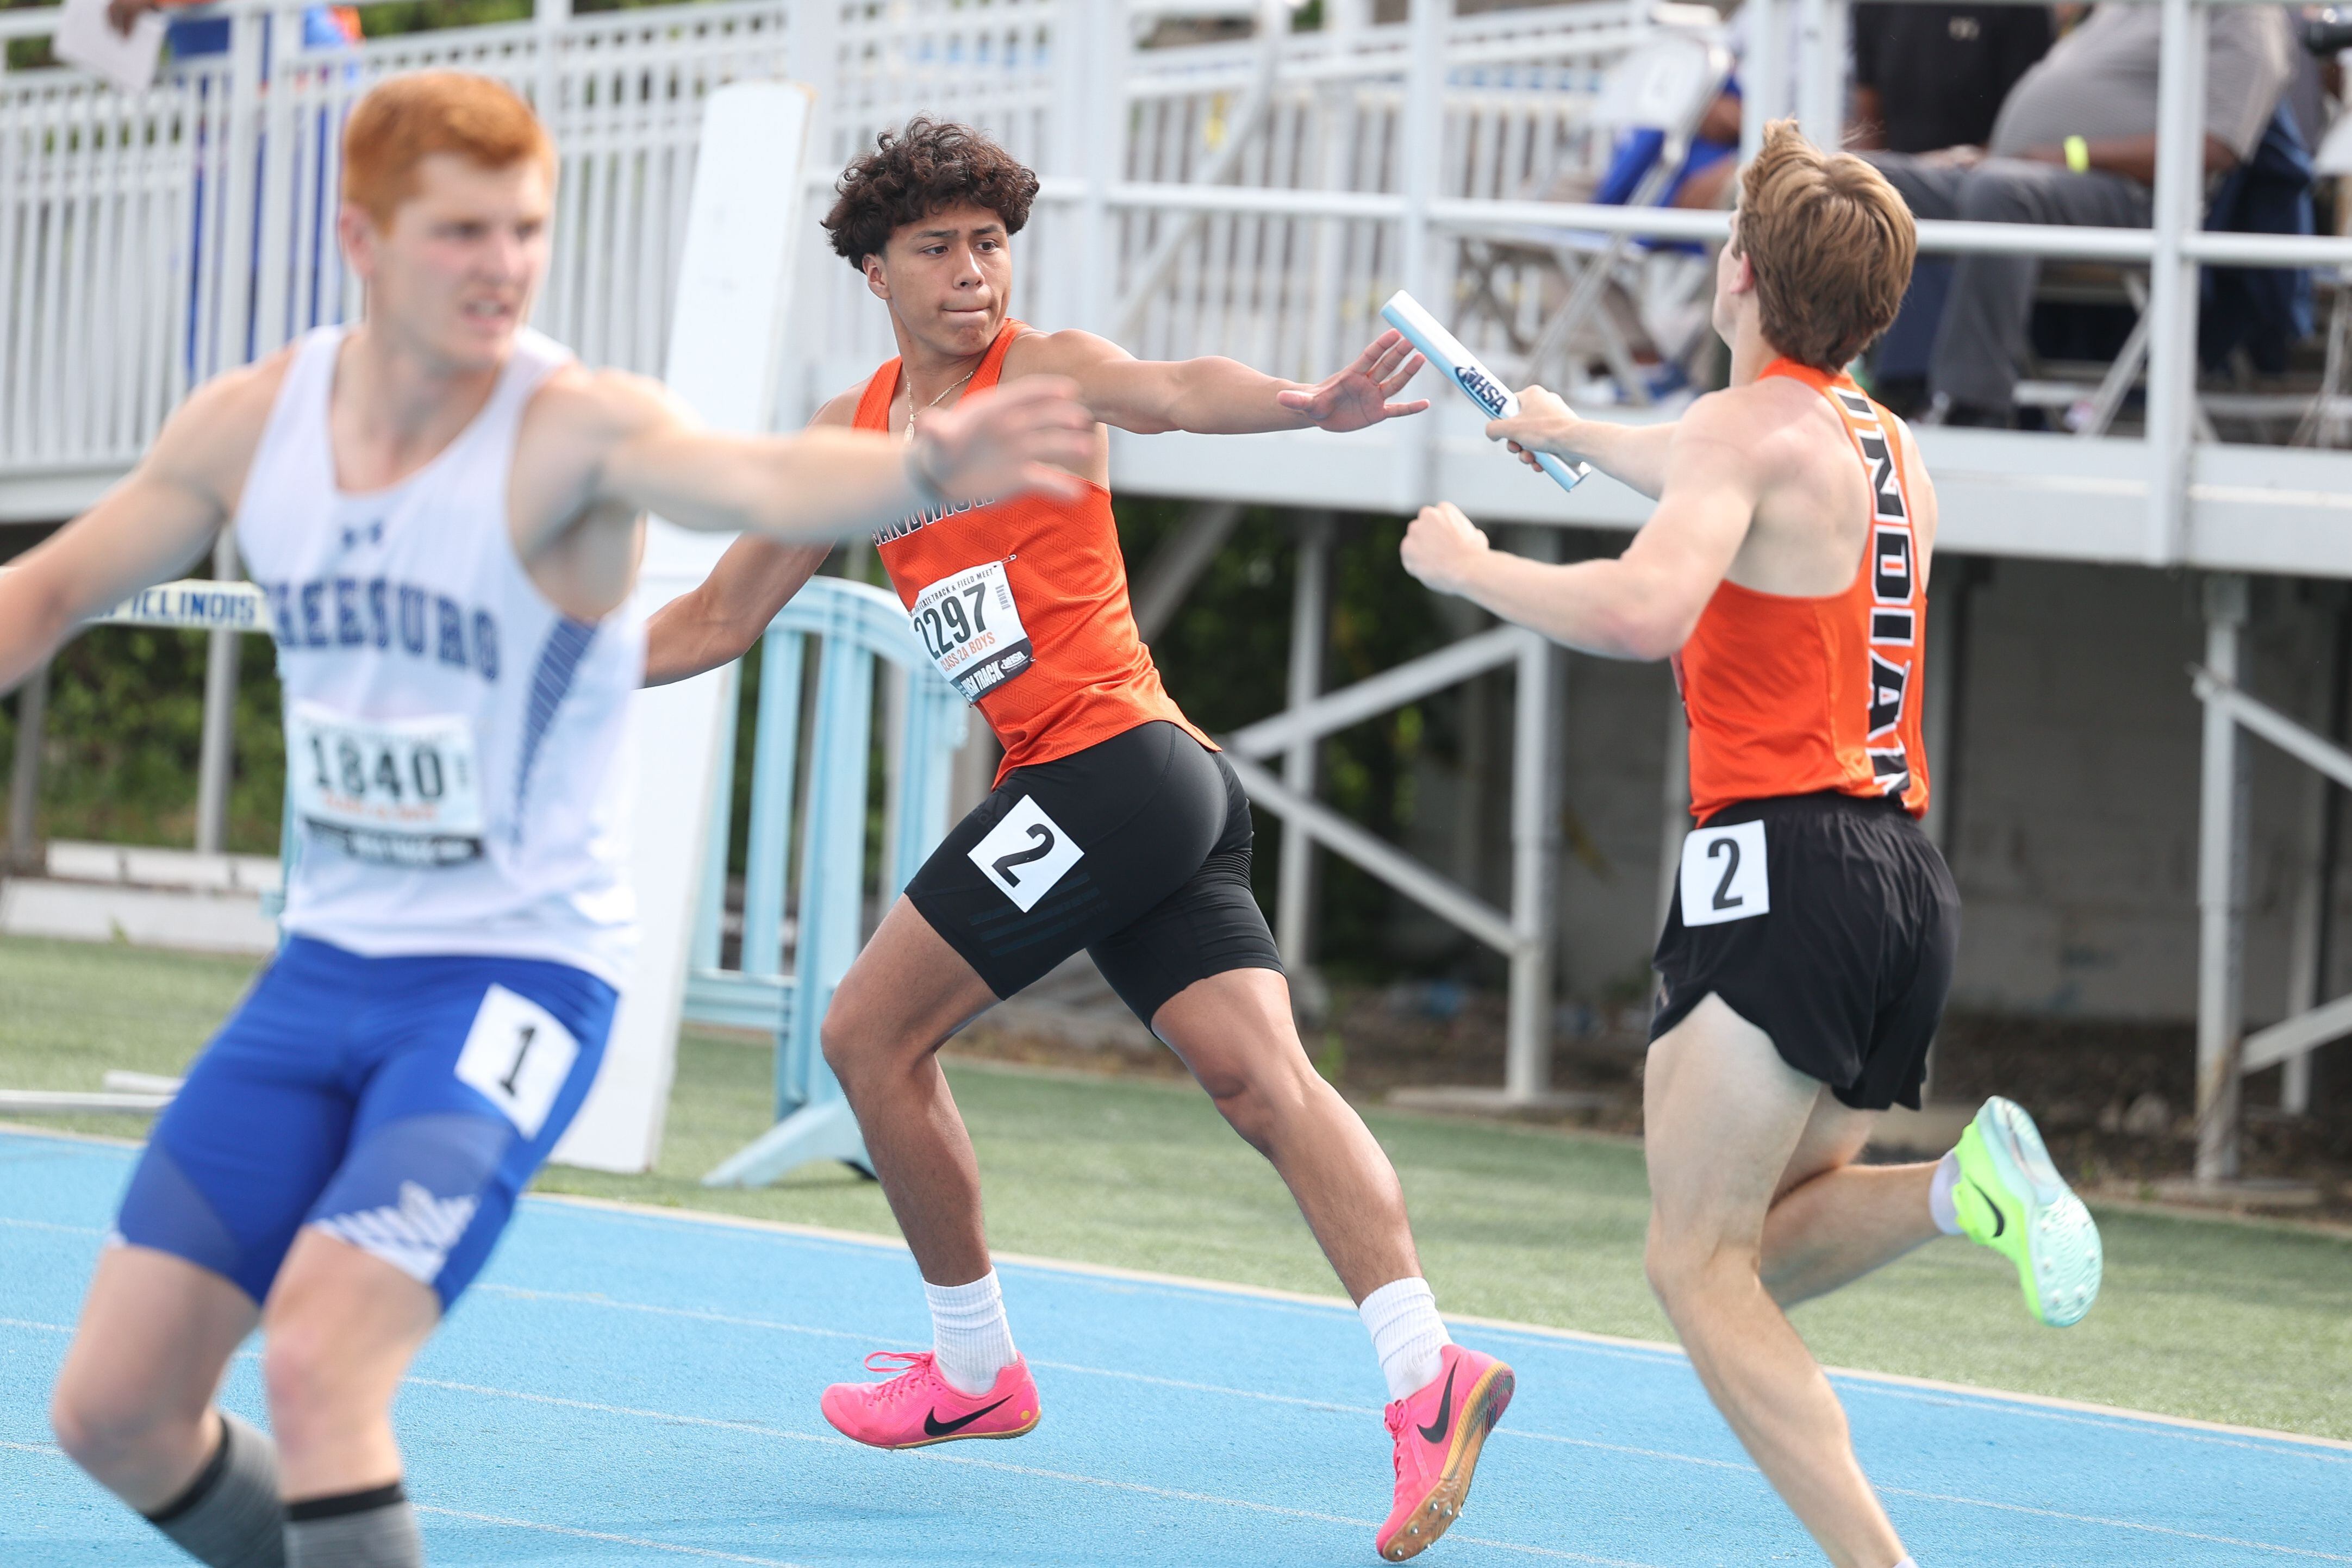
[[402, 792], [973, 630]]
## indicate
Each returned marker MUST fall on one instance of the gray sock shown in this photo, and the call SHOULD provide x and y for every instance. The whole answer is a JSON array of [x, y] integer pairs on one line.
[[372, 1529], [230, 1516]]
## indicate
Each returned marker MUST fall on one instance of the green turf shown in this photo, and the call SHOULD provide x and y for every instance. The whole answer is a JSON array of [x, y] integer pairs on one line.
[[2242, 1323]]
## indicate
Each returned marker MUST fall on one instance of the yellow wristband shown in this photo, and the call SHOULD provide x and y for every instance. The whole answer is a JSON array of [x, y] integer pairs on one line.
[[2078, 154]]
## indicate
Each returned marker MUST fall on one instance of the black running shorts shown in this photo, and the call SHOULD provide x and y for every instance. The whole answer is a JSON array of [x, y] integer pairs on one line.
[[1837, 939], [1136, 849]]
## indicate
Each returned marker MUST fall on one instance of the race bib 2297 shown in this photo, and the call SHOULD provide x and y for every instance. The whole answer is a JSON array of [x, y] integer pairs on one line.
[[971, 629]]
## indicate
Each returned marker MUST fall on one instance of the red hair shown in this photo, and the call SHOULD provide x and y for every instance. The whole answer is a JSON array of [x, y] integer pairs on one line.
[[408, 118]]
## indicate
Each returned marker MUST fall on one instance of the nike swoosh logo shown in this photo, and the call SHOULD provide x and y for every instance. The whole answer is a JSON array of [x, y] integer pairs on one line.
[[935, 1428], [2000, 1221], [1435, 1431]]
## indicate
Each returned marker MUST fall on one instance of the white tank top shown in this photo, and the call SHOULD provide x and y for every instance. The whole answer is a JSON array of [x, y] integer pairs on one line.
[[459, 759]]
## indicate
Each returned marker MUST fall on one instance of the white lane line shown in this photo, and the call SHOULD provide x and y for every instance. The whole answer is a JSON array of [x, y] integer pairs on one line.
[[29, 1324], [636, 1541], [1616, 1345], [518, 1292], [2262, 1443], [48, 1225], [1171, 1494], [2123, 1524], [1961, 1402], [1259, 1395], [50, 1450]]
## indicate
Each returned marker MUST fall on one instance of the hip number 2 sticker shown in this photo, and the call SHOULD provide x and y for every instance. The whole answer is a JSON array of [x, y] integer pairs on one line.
[[1724, 875]]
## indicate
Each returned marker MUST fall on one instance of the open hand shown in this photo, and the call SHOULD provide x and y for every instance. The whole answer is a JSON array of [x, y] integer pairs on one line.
[[1442, 547], [1026, 435], [1544, 424], [1358, 396]]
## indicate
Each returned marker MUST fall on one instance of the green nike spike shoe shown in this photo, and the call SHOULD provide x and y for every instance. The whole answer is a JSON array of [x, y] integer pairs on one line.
[[2009, 1198]]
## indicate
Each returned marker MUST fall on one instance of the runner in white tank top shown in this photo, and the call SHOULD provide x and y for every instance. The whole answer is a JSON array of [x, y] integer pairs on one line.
[[446, 514], [504, 832]]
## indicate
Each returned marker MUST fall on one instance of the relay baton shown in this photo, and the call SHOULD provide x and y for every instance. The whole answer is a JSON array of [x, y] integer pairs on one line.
[[1444, 350]]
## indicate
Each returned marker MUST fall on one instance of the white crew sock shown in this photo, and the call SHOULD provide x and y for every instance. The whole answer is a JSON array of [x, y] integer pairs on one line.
[[1907, 1562], [1407, 1336], [1941, 1210], [969, 1333]]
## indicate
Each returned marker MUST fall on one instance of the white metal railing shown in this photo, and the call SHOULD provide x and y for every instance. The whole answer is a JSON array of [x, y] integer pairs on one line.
[[1254, 197], [149, 241], [2226, 1052]]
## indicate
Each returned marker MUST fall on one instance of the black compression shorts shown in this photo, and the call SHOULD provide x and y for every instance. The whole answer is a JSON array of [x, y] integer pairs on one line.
[[1842, 949], [1136, 849]]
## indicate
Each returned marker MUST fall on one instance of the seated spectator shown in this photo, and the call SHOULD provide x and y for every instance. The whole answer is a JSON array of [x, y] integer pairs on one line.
[[1928, 77], [2075, 143]]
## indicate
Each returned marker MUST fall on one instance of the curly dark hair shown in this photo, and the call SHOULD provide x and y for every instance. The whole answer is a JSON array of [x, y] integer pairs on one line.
[[929, 165]]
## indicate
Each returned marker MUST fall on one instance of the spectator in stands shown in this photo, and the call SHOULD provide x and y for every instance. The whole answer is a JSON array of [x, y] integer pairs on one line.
[[323, 27], [1924, 77], [1931, 76], [2075, 143]]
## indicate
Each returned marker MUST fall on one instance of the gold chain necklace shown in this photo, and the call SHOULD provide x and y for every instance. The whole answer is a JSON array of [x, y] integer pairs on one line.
[[934, 403]]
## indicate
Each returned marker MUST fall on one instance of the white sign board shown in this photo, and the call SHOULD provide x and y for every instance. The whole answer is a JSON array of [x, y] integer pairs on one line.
[[725, 346]]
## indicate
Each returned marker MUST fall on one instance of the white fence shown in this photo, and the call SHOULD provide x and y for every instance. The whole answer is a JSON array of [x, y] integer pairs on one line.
[[1255, 196], [149, 241]]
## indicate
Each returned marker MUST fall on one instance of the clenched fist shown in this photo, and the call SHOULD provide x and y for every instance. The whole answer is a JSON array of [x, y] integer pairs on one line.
[[1443, 547]]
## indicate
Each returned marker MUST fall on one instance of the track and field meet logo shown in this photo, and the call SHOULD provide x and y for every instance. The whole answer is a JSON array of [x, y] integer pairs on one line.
[[1481, 391]]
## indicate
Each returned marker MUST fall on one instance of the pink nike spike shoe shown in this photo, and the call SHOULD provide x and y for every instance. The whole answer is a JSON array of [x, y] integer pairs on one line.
[[1439, 1432], [918, 1408]]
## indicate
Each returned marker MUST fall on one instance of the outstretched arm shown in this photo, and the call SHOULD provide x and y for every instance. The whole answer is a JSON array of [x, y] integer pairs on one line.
[[1633, 454], [152, 526], [1644, 603], [1215, 396], [643, 450], [719, 619]]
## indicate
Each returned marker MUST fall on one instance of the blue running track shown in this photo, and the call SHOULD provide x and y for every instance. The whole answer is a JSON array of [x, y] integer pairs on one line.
[[627, 1387]]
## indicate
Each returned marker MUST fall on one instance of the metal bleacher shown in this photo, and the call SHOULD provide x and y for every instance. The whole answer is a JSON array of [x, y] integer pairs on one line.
[[1215, 181]]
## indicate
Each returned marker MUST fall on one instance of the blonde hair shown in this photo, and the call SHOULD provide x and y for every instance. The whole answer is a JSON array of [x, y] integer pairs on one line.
[[408, 118], [1831, 244]]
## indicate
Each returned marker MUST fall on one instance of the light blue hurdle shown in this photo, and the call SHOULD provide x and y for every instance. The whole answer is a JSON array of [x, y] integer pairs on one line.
[[853, 625]]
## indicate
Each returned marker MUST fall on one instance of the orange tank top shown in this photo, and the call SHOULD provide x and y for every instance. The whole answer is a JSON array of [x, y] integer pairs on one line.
[[1791, 695], [1022, 605]]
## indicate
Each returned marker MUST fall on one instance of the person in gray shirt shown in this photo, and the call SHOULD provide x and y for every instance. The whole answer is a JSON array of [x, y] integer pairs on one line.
[[2075, 143]]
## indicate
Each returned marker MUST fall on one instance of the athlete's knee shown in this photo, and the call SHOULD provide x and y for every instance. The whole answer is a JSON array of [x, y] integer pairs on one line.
[[300, 1375], [853, 1047], [1685, 1264], [108, 1427], [1262, 1097], [310, 1371]]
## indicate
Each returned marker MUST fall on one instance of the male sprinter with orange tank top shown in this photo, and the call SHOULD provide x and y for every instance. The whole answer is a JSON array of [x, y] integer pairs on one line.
[[1812, 939], [1114, 826]]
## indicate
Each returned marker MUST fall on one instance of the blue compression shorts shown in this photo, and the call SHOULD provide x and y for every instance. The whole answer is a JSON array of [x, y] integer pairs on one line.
[[399, 1104]]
